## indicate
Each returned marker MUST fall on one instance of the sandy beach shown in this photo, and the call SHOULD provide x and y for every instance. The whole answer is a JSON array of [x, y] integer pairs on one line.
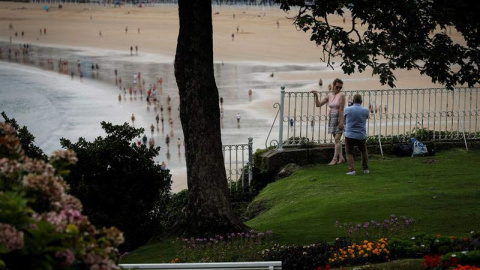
[[155, 29]]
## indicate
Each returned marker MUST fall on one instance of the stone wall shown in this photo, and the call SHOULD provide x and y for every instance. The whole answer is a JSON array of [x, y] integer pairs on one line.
[[275, 160]]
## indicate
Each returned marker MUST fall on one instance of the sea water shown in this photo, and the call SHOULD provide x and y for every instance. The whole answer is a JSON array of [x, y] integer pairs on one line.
[[53, 105]]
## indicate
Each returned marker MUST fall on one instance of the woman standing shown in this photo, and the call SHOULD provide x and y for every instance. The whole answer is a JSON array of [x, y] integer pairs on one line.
[[336, 103]]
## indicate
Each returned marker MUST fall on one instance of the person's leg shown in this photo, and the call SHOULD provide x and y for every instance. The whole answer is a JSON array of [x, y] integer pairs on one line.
[[362, 146], [338, 147], [335, 154], [349, 151]]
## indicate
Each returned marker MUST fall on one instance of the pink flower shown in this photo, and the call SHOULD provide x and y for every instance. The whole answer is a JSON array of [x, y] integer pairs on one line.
[[67, 256], [10, 237]]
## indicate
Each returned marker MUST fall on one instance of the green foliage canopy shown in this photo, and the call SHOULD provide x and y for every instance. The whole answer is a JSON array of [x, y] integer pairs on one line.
[[119, 183], [399, 34], [26, 140]]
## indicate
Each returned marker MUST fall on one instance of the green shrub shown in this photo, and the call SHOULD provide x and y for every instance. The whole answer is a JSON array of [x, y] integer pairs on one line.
[[119, 184]]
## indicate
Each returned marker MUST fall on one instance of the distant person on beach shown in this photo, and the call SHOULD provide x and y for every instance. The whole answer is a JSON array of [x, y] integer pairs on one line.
[[179, 143], [278, 24], [115, 71], [133, 118], [139, 30], [233, 36], [72, 74], [163, 166], [167, 140], [157, 118], [136, 49], [320, 82], [336, 103], [356, 133], [44, 31], [151, 142], [126, 29], [100, 34], [144, 139], [250, 93], [131, 50], [238, 117]]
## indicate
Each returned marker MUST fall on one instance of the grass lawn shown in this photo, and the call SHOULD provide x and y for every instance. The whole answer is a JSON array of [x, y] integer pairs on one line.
[[441, 192]]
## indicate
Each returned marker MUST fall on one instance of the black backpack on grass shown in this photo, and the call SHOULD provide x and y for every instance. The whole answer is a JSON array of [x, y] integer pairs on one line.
[[404, 150]]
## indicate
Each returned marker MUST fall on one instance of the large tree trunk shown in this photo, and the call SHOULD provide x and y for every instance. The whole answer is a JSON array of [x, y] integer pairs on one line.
[[209, 208]]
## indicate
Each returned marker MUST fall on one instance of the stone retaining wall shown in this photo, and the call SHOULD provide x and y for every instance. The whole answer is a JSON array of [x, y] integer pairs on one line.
[[274, 160]]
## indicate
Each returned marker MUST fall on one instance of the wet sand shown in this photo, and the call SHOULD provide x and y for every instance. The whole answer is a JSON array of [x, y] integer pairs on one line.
[[258, 49], [258, 38]]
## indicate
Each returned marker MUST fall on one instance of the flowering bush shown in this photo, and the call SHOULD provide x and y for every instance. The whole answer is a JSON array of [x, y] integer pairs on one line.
[[41, 226], [421, 244], [360, 253], [392, 226], [464, 258], [242, 246], [299, 257], [431, 261], [469, 260], [467, 267]]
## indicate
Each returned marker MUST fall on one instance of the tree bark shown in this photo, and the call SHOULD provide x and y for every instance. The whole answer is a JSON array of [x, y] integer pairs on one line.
[[209, 209]]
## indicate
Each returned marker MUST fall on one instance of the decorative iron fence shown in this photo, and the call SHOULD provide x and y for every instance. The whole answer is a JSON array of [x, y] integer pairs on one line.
[[238, 164], [438, 113]]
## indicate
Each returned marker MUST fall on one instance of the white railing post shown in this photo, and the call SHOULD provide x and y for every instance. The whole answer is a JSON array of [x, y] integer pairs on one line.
[[280, 124], [250, 161]]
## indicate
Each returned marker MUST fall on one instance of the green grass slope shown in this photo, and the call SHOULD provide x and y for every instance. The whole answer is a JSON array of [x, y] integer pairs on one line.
[[441, 192]]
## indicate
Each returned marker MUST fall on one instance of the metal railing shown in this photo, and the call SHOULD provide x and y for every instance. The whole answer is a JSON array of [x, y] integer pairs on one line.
[[238, 162], [446, 114], [267, 265]]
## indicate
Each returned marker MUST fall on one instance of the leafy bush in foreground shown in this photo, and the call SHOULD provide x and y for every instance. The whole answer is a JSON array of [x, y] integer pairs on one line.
[[41, 226]]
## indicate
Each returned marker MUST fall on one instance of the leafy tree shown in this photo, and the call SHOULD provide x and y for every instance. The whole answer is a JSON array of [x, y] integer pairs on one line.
[[26, 140], [399, 34], [119, 183], [209, 209]]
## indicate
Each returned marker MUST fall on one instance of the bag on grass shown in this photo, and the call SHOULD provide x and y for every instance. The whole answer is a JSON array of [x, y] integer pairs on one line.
[[419, 149], [403, 150]]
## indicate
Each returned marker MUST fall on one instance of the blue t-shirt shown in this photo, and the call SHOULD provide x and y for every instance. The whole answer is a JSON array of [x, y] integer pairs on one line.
[[356, 122]]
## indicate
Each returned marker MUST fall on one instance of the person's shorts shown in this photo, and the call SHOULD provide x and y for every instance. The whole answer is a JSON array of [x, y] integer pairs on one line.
[[351, 143]]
